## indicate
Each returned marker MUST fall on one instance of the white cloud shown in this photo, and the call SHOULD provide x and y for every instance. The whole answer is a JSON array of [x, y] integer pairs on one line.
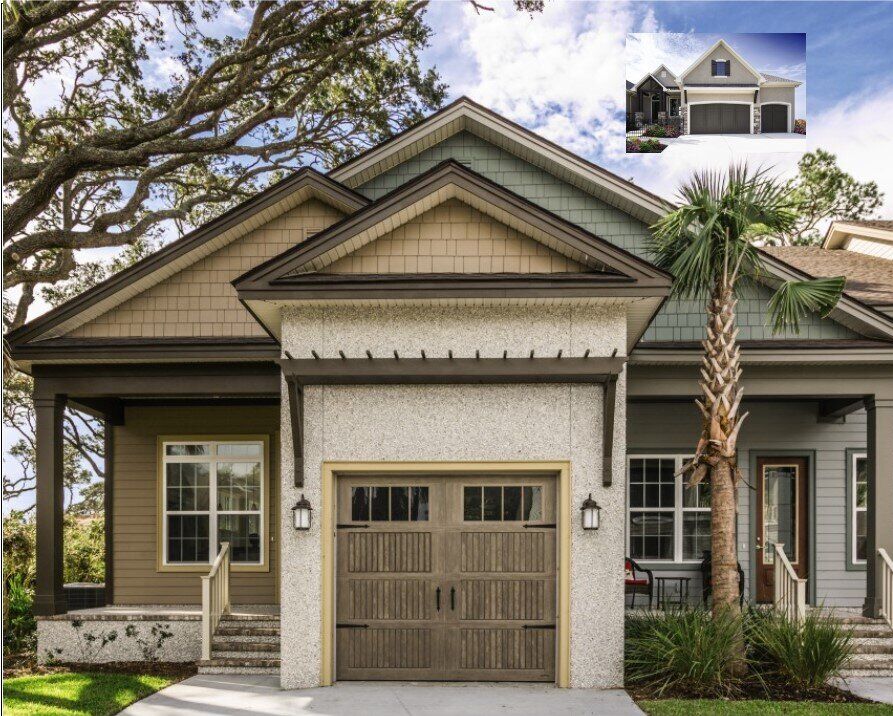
[[645, 51]]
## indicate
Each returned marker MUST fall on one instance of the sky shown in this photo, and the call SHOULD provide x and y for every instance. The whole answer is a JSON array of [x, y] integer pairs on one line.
[[561, 73]]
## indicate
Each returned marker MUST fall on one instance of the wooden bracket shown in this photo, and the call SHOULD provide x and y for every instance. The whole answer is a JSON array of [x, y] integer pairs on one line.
[[609, 405], [296, 410]]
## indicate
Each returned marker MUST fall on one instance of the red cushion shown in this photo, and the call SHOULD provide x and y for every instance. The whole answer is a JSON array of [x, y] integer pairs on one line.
[[637, 582]]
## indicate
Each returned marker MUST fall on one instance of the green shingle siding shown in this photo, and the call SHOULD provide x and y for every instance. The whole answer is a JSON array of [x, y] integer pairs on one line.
[[678, 320]]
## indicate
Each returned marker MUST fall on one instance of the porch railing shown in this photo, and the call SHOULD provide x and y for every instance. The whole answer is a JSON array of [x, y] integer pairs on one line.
[[885, 568], [790, 590], [215, 597]]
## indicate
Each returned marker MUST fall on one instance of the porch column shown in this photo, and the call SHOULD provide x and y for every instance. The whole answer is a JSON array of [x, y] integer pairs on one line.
[[49, 597], [108, 504], [880, 493]]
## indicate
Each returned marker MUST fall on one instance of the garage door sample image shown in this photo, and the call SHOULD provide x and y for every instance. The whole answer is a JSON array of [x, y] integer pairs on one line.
[[692, 84]]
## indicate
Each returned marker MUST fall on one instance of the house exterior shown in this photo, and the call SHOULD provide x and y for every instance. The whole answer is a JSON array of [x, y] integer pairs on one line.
[[872, 237], [443, 348], [719, 93]]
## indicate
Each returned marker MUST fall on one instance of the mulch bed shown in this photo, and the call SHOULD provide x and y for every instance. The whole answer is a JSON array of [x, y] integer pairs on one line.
[[756, 691], [26, 665]]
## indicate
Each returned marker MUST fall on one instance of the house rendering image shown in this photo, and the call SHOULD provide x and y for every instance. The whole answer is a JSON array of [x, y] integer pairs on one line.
[[719, 93], [410, 418]]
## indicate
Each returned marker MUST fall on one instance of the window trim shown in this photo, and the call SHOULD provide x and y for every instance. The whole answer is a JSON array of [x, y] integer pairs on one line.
[[678, 510], [853, 564], [162, 564], [715, 63]]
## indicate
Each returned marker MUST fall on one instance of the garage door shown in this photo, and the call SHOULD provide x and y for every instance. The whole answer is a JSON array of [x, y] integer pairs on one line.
[[446, 578], [774, 118], [720, 118]]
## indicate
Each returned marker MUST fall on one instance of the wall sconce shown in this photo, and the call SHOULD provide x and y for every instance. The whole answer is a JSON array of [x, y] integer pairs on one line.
[[591, 513], [302, 512]]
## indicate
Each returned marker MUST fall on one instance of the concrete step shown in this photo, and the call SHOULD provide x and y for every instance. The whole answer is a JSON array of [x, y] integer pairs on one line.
[[873, 646], [247, 631], [250, 617], [251, 644], [855, 619], [871, 631], [238, 670], [268, 623], [865, 673], [240, 662], [268, 639], [240, 655], [870, 661]]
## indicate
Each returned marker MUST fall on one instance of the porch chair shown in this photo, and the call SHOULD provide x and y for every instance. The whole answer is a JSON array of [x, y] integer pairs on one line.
[[638, 580]]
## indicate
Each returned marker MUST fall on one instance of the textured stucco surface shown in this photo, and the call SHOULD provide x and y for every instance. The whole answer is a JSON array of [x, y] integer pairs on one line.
[[460, 423], [59, 640]]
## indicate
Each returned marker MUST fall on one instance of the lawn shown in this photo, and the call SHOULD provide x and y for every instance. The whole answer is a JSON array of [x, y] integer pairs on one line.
[[692, 707], [81, 693]]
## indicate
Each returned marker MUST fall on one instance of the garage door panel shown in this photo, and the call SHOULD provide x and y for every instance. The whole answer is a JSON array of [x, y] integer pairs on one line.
[[389, 552], [719, 118], [505, 551], [388, 599], [506, 654], [774, 118]]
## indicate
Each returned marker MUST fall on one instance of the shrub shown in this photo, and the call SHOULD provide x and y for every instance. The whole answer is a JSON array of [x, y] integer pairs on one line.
[[644, 146], [20, 627], [655, 130], [800, 126], [803, 655], [689, 651]]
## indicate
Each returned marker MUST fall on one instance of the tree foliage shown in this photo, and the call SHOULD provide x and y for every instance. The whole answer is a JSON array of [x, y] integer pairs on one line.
[[822, 191], [162, 119]]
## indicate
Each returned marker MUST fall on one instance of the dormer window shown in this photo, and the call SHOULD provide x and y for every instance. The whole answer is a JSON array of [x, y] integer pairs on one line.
[[663, 75], [721, 68]]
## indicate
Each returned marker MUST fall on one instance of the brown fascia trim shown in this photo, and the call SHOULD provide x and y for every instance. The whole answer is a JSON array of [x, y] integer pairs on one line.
[[428, 286], [262, 349], [444, 174], [772, 345], [187, 243], [520, 128]]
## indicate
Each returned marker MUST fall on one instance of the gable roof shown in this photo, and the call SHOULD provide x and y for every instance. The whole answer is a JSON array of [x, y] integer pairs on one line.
[[772, 79], [878, 229], [673, 84], [716, 45], [467, 115], [304, 184]]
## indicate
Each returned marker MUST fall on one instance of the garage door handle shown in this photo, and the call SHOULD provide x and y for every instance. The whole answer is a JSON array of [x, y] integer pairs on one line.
[[437, 597], [351, 626], [538, 626], [452, 599]]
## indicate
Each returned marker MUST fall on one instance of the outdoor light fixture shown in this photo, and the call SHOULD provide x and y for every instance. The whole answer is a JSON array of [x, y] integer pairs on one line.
[[591, 513], [302, 512]]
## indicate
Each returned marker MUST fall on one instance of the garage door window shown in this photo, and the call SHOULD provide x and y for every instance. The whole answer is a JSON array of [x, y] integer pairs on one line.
[[389, 503], [502, 503]]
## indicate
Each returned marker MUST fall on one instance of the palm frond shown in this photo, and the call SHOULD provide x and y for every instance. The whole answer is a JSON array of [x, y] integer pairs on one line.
[[794, 299]]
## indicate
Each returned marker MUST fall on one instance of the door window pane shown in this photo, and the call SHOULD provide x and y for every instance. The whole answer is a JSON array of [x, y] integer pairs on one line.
[[533, 503], [651, 535], [243, 534], [399, 504], [380, 500], [359, 504], [472, 504], [511, 503], [419, 504], [695, 534], [779, 511], [238, 486], [492, 503]]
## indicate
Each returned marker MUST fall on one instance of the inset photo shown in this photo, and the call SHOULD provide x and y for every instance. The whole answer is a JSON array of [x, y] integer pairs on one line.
[[689, 93]]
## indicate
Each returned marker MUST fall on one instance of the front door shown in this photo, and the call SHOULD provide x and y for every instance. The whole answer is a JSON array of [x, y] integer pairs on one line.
[[782, 497], [446, 578]]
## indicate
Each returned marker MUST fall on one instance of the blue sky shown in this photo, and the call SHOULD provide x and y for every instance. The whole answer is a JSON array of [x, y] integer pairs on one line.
[[561, 73]]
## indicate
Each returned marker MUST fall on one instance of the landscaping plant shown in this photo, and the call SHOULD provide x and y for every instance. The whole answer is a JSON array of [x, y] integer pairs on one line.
[[19, 625], [800, 126], [804, 655], [687, 652]]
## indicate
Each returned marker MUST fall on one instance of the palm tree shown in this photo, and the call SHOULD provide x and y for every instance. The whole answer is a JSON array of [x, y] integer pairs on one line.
[[707, 243]]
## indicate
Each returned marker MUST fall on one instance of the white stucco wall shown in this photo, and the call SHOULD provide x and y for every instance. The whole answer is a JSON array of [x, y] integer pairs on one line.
[[461, 423]]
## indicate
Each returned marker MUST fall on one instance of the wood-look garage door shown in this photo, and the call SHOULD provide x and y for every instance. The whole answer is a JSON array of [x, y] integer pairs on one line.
[[773, 118], [720, 118], [446, 578]]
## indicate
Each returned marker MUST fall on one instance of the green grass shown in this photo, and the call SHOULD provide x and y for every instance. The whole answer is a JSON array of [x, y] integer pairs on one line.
[[67, 694], [711, 707]]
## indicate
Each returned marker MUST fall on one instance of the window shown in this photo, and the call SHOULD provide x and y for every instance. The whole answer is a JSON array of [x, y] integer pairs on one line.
[[389, 503], [213, 493], [859, 504], [674, 107], [502, 503], [667, 521], [721, 68]]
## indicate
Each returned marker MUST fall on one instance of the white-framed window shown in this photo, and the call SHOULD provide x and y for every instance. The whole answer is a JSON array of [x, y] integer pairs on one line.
[[859, 504], [213, 492], [667, 521], [721, 68]]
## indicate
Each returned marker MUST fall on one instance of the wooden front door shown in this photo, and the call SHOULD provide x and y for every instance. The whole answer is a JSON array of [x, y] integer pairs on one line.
[[782, 497], [446, 578]]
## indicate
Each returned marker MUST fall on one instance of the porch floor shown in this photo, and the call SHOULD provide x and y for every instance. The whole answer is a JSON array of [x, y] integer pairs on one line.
[[177, 612]]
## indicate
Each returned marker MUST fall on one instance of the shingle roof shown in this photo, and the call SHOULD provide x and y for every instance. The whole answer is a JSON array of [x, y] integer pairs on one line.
[[868, 278], [871, 223], [629, 85], [723, 85], [776, 78]]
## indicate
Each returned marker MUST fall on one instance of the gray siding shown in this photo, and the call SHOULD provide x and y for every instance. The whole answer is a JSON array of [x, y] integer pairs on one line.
[[678, 320], [701, 73], [776, 427]]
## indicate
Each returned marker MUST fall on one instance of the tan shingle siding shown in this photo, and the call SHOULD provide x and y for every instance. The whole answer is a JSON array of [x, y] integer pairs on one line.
[[454, 238], [199, 301]]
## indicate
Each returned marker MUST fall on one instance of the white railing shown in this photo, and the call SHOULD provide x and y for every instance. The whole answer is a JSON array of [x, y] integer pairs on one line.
[[885, 574], [215, 597], [790, 590]]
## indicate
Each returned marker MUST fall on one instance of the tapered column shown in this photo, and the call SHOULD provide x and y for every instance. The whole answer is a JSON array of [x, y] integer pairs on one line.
[[108, 500], [49, 597], [880, 493]]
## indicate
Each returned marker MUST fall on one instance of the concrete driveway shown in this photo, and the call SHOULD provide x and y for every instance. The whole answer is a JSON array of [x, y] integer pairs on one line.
[[713, 148], [242, 695]]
